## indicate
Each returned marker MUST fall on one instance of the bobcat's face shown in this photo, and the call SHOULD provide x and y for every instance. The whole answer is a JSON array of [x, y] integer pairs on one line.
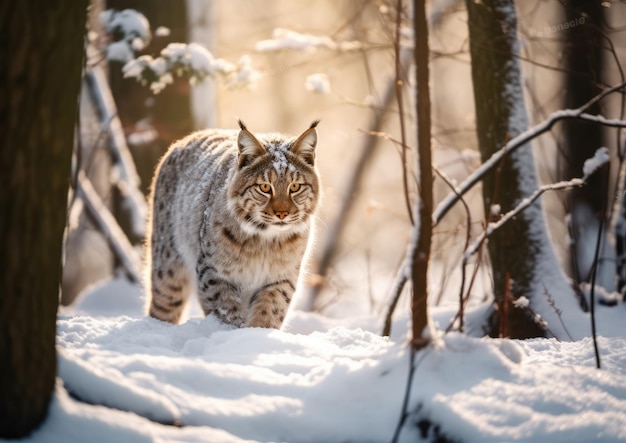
[[275, 188]]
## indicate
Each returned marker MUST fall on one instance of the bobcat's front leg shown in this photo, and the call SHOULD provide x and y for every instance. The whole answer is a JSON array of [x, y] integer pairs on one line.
[[218, 296], [268, 305]]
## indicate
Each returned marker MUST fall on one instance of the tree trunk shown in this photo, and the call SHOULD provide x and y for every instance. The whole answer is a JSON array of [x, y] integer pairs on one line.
[[423, 228], [522, 258], [41, 52], [583, 50]]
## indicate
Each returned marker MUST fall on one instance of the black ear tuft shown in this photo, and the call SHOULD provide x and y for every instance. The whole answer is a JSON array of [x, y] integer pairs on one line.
[[315, 123], [242, 125]]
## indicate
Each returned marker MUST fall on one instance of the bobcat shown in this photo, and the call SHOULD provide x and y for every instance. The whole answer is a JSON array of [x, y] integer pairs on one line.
[[231, 216]]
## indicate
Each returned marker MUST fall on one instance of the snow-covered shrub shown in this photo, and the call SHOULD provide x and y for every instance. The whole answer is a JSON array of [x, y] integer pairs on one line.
[[129, 31], [192, 62]]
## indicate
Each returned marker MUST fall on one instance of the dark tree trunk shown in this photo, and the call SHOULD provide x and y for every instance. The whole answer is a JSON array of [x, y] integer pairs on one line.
[[41, 53], [583, 49], [500, 116], [421, 253]]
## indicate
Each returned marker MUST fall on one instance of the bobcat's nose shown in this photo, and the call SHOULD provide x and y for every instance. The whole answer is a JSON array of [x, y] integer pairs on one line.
[[281, 214]]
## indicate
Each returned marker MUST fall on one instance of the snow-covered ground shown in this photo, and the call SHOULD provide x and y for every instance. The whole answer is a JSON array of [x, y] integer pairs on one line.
[[127, 378]]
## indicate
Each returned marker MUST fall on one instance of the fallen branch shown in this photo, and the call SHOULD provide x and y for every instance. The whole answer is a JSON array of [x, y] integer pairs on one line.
[[107, 224], [127, 179]]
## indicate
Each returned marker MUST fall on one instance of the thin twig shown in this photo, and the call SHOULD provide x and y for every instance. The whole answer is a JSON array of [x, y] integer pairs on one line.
[[465, 299], [594, 268], [477, 264], [396, 292], [525, 203], [399, 99], [468, 214], [557, 311], [413, 367]]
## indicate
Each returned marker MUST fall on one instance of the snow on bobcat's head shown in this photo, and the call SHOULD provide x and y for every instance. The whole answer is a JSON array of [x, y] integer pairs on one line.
[[276, 187]]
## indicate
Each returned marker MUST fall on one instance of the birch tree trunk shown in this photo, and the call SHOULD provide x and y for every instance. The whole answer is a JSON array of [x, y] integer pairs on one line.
[[523, 261], [41, 53]]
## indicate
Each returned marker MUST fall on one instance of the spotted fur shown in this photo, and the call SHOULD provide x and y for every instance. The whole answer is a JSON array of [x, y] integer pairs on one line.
[[231, 216]]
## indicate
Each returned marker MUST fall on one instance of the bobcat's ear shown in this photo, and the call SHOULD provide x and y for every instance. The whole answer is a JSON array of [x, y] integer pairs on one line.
[[304, 146], [249, 147]]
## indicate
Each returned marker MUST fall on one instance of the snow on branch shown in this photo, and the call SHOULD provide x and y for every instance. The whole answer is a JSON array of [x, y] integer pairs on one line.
[[521, 140], [318, 83], [287, 39], [190, 61], [600, 158], [129, 31]]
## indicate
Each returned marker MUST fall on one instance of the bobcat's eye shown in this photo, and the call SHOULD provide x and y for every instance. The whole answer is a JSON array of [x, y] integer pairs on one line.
[[294, 187], [265, 188]]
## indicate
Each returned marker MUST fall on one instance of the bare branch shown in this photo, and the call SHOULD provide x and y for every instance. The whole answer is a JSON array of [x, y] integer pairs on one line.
[[107, 224], [399, 99], [594, 268], [468, 214], [525, 203], [127, 178], [521, 140], [396, 292], [592, 165]]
